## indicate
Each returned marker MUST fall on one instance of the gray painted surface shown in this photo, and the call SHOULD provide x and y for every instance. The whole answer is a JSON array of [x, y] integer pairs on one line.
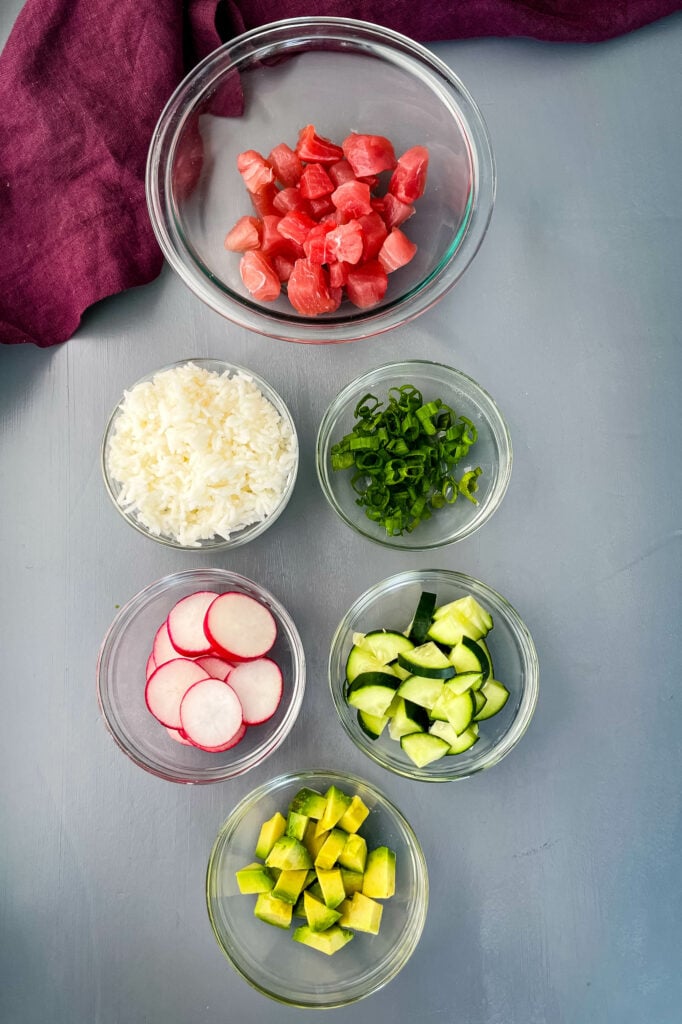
[[556, 875]]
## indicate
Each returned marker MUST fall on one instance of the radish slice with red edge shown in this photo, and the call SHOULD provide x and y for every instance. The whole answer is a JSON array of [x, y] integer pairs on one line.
[[237, 738], [216, 668], [240, 627], [179, 737], [211, 714], [258, 684], [186, 624], [168, 685], [151, 666], [162, 648]]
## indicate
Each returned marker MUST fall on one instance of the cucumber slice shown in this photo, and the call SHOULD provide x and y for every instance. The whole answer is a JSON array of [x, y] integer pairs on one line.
[[360, 660], [469, 656], [496, 696], [422, 748], [385, 645], [480, 700], [456, 744], [421, 691], [456, 708], [427, 661], [449, 630], [372, 692], [422, 617], [470, 611], [465, 681], [372, 725], [484, 647], [408, 717]]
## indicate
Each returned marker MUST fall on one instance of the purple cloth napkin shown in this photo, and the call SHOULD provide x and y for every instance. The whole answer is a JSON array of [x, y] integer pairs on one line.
[[82, 83]]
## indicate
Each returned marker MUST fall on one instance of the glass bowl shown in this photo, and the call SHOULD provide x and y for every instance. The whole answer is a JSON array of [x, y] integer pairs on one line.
[[217, 542], [266, 956], [340, 75], [391, 605], [121, 682], [492, 452]]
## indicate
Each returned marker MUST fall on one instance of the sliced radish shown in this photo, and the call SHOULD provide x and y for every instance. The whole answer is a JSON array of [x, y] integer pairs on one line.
[[151, 666], [168, 685], [216, 668], [162, 648], [211, 714], [258, 684], [237, 738], [240, 627], [179, 737], [186, 624]]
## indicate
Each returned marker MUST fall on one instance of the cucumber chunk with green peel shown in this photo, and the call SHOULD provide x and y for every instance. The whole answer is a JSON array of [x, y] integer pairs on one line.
[[408, 717], [456, 708], [470, 611], [373, 725], [372, 692], [469, 656], [361, 660], [423, 748], [496, 696], [480, 701], [385, 645], [428, 661], [423, 615], [464, 681], [456, 744], [421, 691]]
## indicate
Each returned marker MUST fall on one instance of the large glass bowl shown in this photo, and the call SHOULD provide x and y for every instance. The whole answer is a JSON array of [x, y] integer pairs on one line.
[[341, 75], [216, 542], [391, 605], [492, 452], [121, 682], [266, 956]]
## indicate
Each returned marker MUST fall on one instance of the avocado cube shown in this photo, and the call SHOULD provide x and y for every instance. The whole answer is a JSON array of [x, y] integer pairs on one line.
[[312, 842], [289, 885], [331, 848], [296, 825], [362, 914], [289, 854], [336, 806], [315, 890], [318, 916], [329, 941], [309, 802], [299, 907], [354, 853], [270, 832], [331, 884], [379, 880], [272, 910], [354, 815], [254, 878], [352, 881]]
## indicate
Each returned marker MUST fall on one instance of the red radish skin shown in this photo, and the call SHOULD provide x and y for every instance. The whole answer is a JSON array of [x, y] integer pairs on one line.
[[211, 714], [168, 685], [237, 738], [151, 666], [215, 667], [258, 684], [186, 624], [179, 737], [162, 648], [240, 627]]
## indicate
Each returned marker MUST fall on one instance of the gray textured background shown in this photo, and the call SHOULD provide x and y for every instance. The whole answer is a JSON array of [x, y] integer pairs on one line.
[[556, 875]]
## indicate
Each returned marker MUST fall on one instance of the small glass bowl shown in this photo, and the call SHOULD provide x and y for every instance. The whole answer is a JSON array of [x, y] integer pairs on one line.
[[215, 543], [391, 605], [492, 452], [267, 957], [121, 682], [340, 75]]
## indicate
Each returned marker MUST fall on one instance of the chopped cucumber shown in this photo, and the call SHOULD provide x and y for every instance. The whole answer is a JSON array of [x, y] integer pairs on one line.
[[427, 660], [422, 747], [456, 708], [421, 691], [496, 696], [421, 622], [456, 744], [361, 661], [385, 645], [408, 717]]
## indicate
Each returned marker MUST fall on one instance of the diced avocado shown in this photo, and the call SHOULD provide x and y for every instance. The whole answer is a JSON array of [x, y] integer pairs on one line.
[[379, 879], [354, 815], [296, 824], [330, 850], [315, 890], [310, 878], [289, 854], [336, 806], [352, 881], [309, 802], [270, 832], [329, 941], [331, 884], [317, 914], [289, 885], [362, 914], [354, 853], [312, 842], [272, 910], [254, 878], [299, 908]]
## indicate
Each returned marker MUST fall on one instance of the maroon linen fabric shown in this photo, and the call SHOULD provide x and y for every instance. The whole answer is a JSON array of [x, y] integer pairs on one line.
[[82, 83]]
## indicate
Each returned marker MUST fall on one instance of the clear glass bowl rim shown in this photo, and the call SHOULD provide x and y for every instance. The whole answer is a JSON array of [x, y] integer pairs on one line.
[[411, 933], [202, 578], [249, 533], [401, 370], [531, 674], [204, 76]]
